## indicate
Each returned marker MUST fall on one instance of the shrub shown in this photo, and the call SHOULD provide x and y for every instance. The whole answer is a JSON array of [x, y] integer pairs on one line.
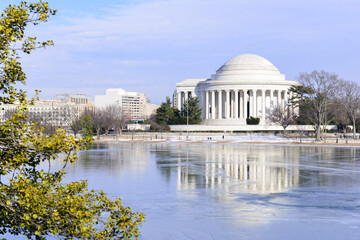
[[252, 121]]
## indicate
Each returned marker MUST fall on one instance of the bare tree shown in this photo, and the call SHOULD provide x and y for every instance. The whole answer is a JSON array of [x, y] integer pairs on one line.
[[106, 119], [348, 102], [112, 116], [76, 125], [123, 120], [72, 118], [98, 121], [320, 92], [338, 114], [284, 117]]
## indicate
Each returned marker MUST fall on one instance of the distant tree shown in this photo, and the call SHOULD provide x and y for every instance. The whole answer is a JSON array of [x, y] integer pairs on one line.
[[108, 118], [347, 102], [283, 117], [123, 121], [319, 90], [165, 112], [111, 117], [159, 127], [98, 121], [86, 125], [191, 109], [176, 117], [72, 118], [302, 104], [76, 126], [338, 116]]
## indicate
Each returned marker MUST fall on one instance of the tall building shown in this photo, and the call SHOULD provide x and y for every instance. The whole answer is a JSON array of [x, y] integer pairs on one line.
[[175, 99], [133, 105]]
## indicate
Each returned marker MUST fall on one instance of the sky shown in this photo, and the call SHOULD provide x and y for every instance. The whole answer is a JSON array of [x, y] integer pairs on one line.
[[149, 45]]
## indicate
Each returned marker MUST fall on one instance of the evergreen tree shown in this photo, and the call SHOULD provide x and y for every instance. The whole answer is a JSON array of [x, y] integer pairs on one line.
[[86, 125], [191, 109], [165, 112]]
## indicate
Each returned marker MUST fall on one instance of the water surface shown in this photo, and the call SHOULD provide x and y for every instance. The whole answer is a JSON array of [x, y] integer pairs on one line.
[[229, 190]]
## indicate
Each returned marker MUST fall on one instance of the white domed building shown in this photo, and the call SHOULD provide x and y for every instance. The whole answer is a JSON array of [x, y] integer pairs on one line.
[[245, 86]]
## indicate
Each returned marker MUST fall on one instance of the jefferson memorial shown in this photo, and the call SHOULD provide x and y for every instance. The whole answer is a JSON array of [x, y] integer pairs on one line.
[[245, 86]]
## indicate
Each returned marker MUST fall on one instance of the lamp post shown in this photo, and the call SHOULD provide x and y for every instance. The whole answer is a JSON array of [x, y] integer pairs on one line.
[[187, 120], [120, 116]]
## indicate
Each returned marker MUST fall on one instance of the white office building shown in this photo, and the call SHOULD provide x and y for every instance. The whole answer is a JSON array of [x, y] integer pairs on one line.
[[134, 105]]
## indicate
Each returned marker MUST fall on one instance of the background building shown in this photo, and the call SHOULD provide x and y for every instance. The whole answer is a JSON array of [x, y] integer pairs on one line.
[[81, 100], [134, 105], [175, 99], [59, 112]]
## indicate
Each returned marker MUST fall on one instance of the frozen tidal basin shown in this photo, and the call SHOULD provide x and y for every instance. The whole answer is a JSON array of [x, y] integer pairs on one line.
[[230, 190]]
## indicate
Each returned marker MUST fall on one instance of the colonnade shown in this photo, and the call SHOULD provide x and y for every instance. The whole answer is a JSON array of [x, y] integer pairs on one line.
[[237, 104], [241, 104], [183, 96]]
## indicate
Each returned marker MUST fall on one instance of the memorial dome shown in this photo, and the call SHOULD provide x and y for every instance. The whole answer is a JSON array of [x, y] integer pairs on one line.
[[248, 68], [247, 62]]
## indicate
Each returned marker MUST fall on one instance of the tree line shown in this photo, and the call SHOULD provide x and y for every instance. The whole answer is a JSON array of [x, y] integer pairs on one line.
[[101, 121], [322, 98], [166, 114]]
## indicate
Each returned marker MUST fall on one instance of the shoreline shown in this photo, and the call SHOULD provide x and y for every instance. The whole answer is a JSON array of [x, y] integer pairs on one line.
[[229, 139]]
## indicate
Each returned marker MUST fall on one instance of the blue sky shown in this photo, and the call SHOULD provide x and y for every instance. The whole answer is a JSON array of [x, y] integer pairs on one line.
[[149, 45]]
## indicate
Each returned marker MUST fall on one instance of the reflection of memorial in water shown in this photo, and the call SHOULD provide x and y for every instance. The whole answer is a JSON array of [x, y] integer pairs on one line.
[[259, 170]]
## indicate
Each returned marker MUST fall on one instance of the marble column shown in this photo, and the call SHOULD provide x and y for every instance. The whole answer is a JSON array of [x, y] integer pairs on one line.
[[241, 105], [245, 103], [236, 104], [271, 101], [255, 104], [207, 104], [263, 106], [251, 107], [213, 104], [220, 104], [227, 105], [202, 103], [232, 100], [290, 98]]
